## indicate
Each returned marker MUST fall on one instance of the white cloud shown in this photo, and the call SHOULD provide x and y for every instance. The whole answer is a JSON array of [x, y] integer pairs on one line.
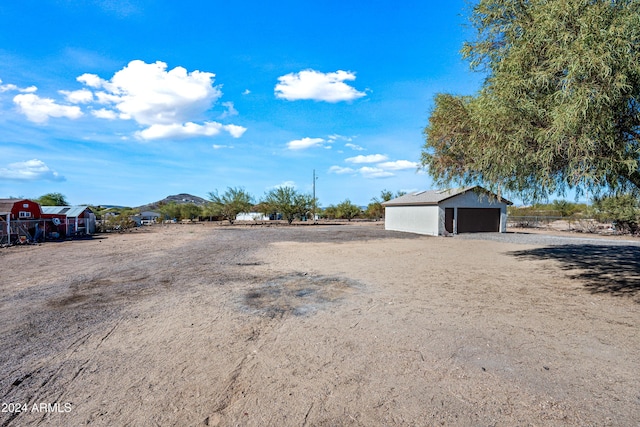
[[8, 87], [371, 158], [301, 144], [31, 170], [219, 147], [40, 109], [311, 84], [188, 130], [291, 184], [169, 103], [382, 169], [246, 92], [81, 96], [151, 95], [354, 146], [336, 137], [12, 87], [103, 113], [398, 165], [340, 170], [231, 111], [369, 172], [91, 80], [235, 130], [365, 171], [166, 103], [106, 98]]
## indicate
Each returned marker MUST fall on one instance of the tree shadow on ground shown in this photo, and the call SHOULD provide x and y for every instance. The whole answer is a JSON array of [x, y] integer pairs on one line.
[[605, 269]]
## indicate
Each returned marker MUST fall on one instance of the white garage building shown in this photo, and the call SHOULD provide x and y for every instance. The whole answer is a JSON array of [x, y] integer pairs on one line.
[[443, 212]]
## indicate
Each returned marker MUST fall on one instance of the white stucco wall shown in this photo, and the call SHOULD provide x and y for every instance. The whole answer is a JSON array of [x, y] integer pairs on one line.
[[412, 219], [251, 216]]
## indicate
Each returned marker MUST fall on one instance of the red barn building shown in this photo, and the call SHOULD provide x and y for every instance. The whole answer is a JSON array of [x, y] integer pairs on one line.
[[21, 209], [24, 220], [19, 220], [72, 220]]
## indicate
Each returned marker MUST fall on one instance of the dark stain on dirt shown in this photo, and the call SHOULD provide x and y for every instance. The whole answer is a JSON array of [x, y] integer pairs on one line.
[[89, 293], [298, 295]]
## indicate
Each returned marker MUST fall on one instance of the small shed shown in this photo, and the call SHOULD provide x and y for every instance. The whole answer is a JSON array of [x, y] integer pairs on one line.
[[445, 212], [79, 219], [149, 217]]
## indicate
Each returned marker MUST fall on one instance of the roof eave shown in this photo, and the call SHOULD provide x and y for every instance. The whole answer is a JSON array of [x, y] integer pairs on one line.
[[412, 204]]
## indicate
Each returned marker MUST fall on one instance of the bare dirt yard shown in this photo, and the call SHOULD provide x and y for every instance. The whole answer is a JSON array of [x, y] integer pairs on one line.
[[326, 325]]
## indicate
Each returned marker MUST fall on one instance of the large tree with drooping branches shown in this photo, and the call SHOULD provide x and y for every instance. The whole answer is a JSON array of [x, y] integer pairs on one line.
[[559, 108]]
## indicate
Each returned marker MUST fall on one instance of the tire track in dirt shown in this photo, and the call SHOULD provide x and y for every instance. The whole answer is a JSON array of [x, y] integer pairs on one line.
[[257, 336], [70, 366]]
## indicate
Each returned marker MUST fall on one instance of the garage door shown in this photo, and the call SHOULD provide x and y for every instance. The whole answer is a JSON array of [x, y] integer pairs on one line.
[[478, 220]]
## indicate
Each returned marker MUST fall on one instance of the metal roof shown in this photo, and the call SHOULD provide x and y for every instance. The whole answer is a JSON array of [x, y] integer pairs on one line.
[[434, 197], [5, 206], [69, 211]]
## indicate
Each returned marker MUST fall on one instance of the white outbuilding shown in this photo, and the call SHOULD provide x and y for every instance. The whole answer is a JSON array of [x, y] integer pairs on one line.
[[445, 212]]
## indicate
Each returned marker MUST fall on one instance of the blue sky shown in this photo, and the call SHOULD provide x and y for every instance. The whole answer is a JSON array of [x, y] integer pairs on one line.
[[126, 102]]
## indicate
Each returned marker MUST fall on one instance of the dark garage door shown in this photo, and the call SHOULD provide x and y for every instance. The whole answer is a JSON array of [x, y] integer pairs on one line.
[[478, 220]]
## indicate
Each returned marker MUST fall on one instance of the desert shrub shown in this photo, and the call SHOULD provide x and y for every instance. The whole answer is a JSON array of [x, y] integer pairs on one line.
[[622, 210]]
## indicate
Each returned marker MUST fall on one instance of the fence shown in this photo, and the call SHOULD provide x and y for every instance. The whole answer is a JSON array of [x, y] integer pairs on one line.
[[580, 224], [30, 230], [531, 221], [80, 226]]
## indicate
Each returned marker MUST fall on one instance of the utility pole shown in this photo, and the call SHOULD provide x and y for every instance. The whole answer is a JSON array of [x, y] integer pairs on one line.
[[314, 196]]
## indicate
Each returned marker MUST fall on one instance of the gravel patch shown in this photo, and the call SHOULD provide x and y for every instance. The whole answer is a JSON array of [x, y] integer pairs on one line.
[[524, 238]]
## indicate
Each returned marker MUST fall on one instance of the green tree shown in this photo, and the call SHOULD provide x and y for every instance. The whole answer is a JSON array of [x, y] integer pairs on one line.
[[375, 210], [231, 203], [385, 196], [264, 208], [347, 210], [330, 212], [189, 211], [560, 107], [118, 219], [564, 208], [305, 205], [288, 202], [170, 210], [623, 210], [561, 208], [52, 199]]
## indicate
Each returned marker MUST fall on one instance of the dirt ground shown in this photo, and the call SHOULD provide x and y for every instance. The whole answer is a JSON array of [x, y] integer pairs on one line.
[[343, 325]]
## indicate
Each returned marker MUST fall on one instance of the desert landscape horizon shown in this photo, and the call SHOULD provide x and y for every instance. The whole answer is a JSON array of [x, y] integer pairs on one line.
[[347, 324]]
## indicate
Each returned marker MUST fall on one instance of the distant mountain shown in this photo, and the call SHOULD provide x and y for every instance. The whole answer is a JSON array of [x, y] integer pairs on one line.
[[178, 198]]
